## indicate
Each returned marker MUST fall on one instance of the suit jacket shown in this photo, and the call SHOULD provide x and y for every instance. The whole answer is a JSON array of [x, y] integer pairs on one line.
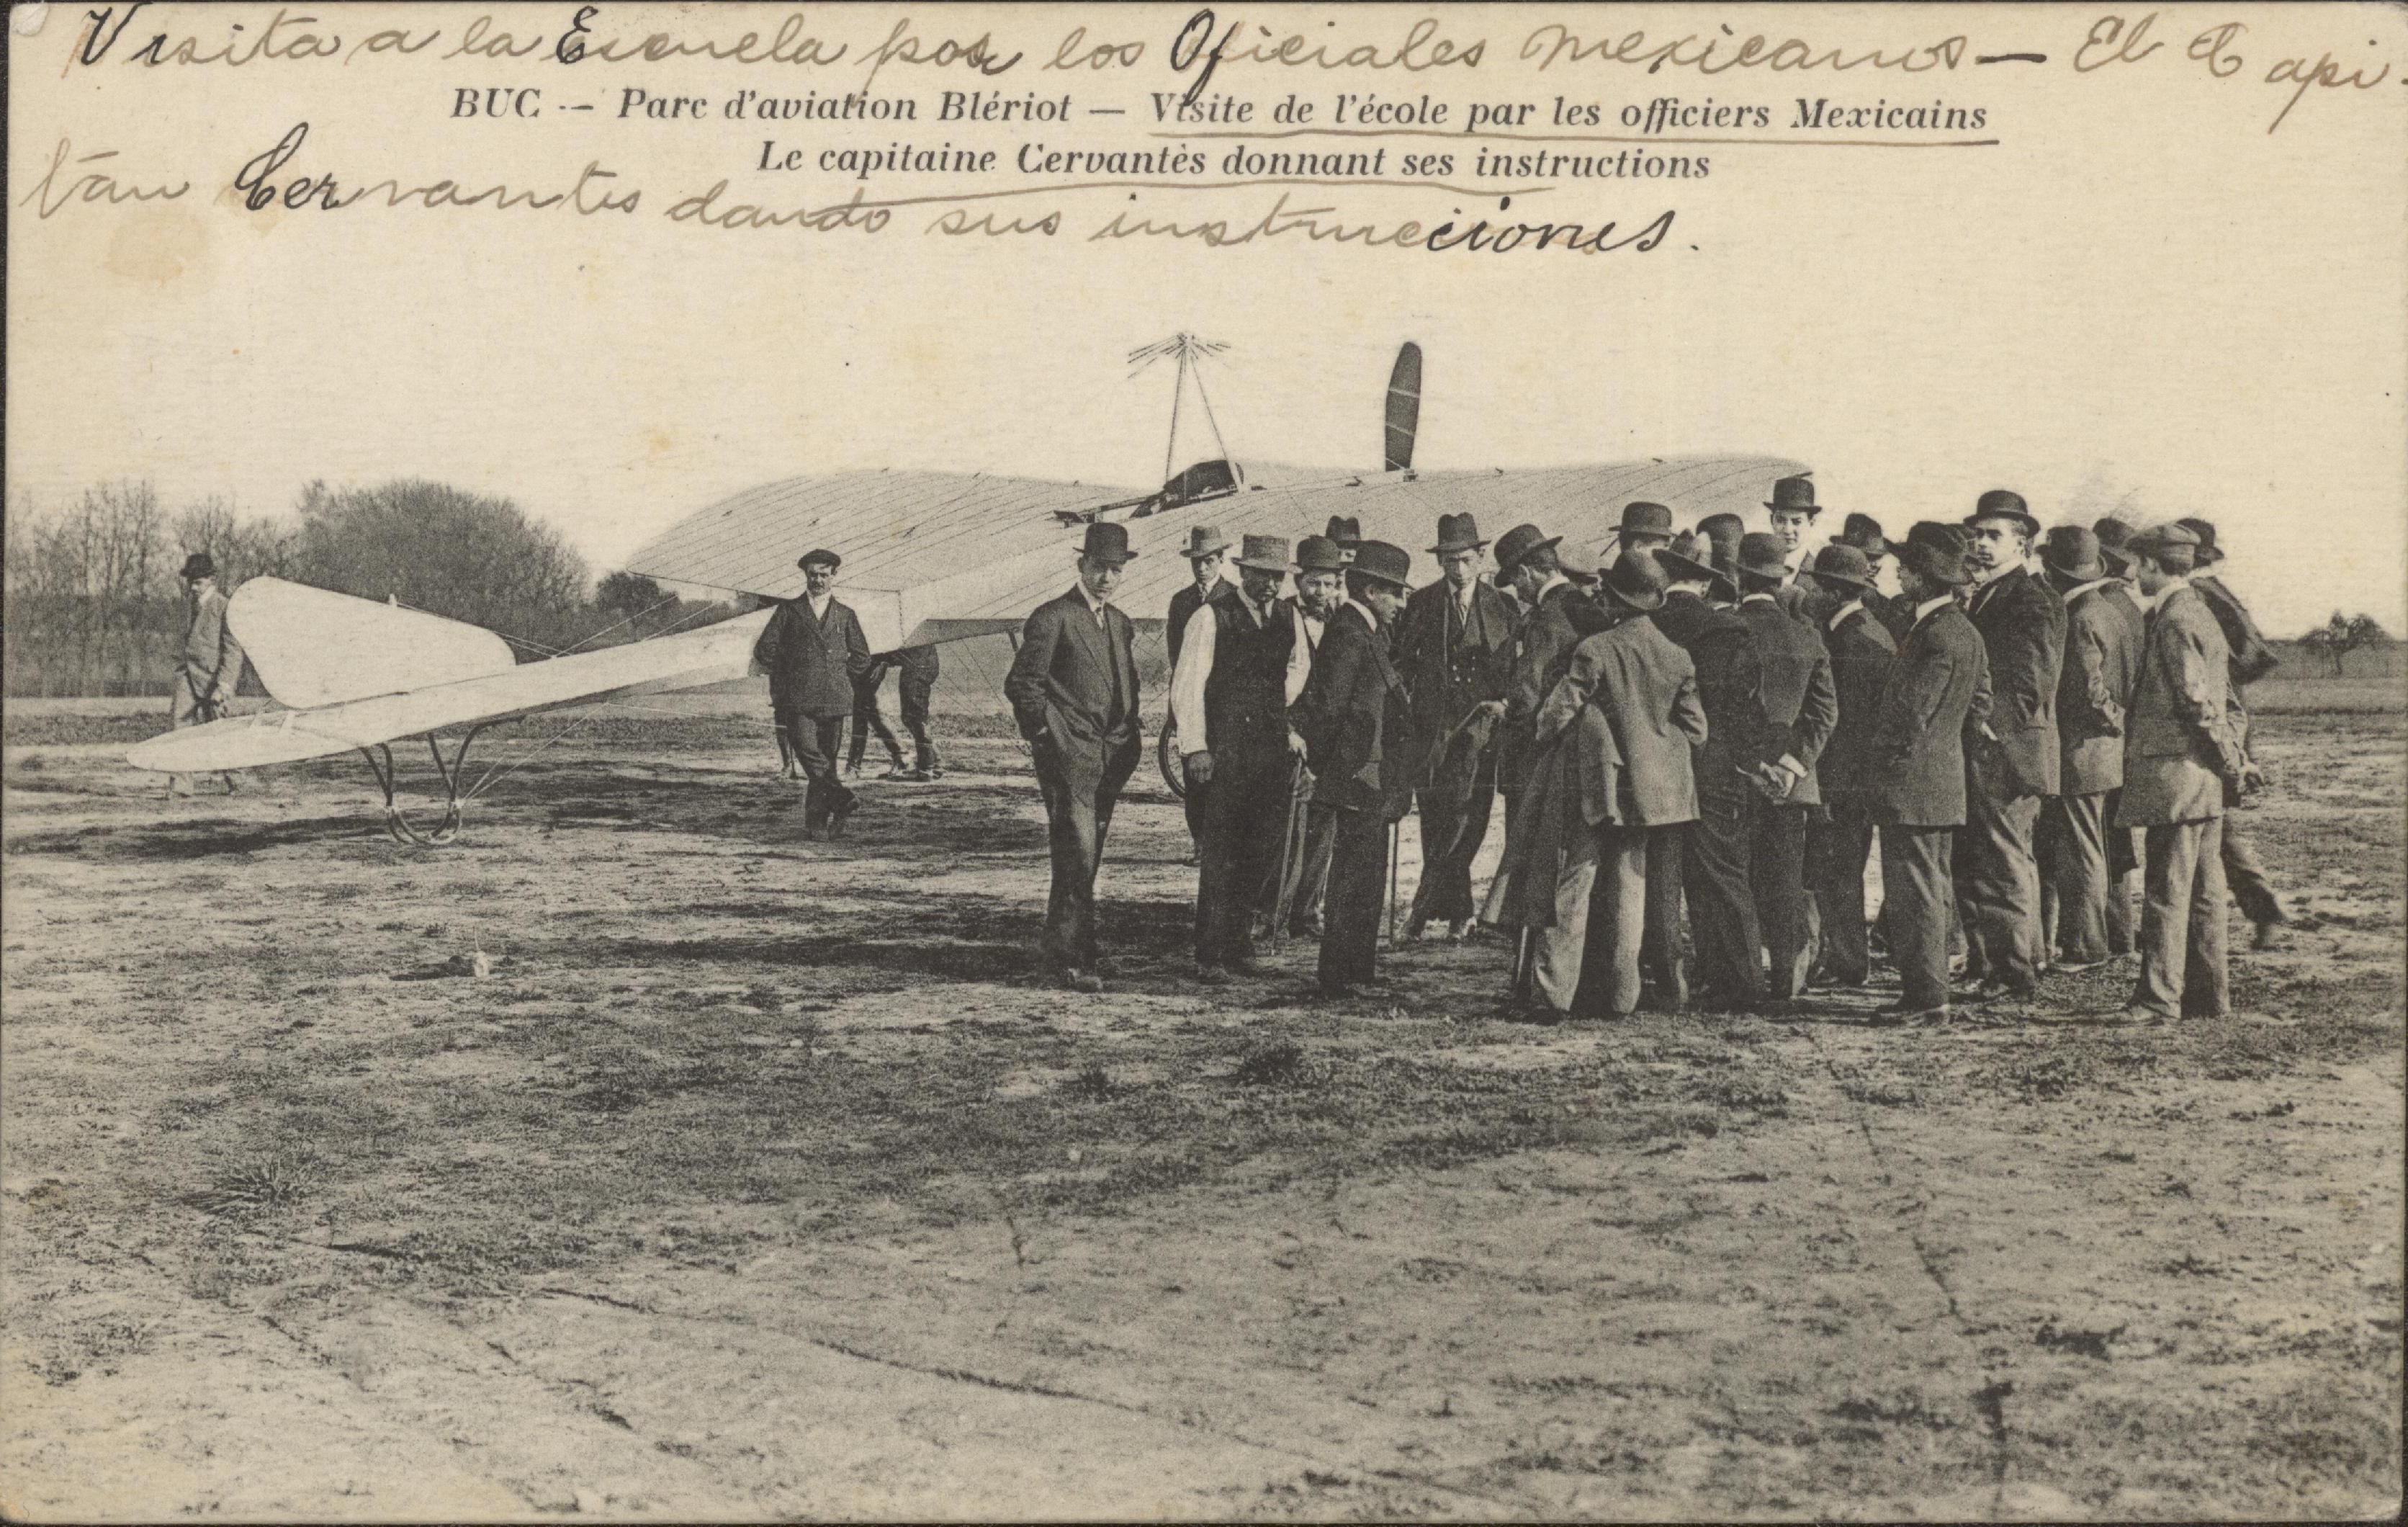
[[1182, 605], [1449, 665], [2094, 689], [2250, 658], [1896, 616], [1542, 649], [1729, 685], [1353, 706], [2022, 625], [1627, 705], [813, 662], [1794, 677], [1938, 691], [1791, 596], [1073, 691], [2183, 741], [1861, 651], [211, 658]]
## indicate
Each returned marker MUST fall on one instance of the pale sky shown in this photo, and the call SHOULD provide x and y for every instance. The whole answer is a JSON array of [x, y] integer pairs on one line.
[[2139, 292]]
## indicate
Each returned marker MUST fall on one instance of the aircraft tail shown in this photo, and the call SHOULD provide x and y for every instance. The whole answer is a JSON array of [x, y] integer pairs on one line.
[[312, 647]]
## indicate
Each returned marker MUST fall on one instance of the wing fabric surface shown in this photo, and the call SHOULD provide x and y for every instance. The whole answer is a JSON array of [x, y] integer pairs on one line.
[[312, 646]]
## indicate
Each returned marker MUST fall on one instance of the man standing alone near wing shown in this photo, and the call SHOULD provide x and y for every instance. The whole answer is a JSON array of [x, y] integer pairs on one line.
[[814, 652], [210, 663], [1073, 692]]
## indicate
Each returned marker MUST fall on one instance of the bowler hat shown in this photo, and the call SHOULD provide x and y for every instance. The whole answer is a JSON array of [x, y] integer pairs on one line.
[[1458, 533], [1203, 540], [2172, 546], [1645, 519], [1265, 554], [821, 557], [1863, 533], [2001, 504], [1935, 551], [1760, 554], [2205, 530], [1107, 542], [2113, 533], [1379, 559], [1319, 553], [1722, 532], [198, 565], [1519, 542], [1680, 562], [2072, 552], [1636, 579], [1840, 563], [1795, 493], [1345, 529]]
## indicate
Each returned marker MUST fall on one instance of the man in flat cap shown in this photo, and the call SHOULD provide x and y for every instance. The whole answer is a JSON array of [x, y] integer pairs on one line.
[[1353, 706], [1208, 553], [2181, 757], [1453, 645], [2021, 626], [1803, 706], [1073, 692], [2123, 844], [1836, 847], [2094, 689], [813, 652], [1228, 702], [2252, 659], [208, 665], [1321, 566]]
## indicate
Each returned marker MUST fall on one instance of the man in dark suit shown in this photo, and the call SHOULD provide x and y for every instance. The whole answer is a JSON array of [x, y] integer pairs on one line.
[[868, 720], [1453, 644], [2021, 626], [2251, 660], [814, 651], [1352, 708], [1861, 651], [2123, 844], [2094, 687], [1320, 588], [916, 670], [1937, 694], [1793, 509], [1801, 704], [1716, 850], [1863, 533], [1228, 702], [1207, 550], [1528, 568], [1073, 691]]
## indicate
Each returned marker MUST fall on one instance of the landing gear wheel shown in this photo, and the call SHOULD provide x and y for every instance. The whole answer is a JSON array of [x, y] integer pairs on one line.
[[1173, 763]]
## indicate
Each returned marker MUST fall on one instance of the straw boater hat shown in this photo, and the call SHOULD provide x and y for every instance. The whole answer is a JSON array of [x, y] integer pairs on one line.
[[1203, 540], [1379, 559], [1636, 580], [1519, 542], [822, 557], [1644, 519], [198, 565], [1265, 554], [1760, 554], [2071, 552], [2002, 504], [1319, 553], [1107, 542], [1840, 563], [1935, 551], [1795, 493], [1458, 533]]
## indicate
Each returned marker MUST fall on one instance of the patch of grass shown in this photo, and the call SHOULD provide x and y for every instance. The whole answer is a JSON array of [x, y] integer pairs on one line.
[[1277, 1064], [275, 1182], [1090, 1085]]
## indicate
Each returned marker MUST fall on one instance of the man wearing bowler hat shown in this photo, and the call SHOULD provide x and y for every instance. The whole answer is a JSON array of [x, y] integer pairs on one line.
[[2123, 844], [1793, 509], [2094, 689], [1803, 706], [2182, 761], [1529, 568], [1644, 528], [1073, 692], [208, 665], [1863, 533], [2252, 659], [1321, 566], [1346, 532], [1718, 536], [1453, 644], [1228, 702], [1206, 550], [2021, 626], [814, 654], [1836, 847], [1352, 708]]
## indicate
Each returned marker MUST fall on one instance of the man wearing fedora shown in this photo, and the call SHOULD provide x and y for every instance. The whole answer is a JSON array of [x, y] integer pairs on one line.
[[1936, 696], [1718, 538], [1803, 706], [1793, 509], [1353, 704], [1644, 528], [1863, 533], [1074, 694], [1453, 644], [814, 652], [1206, 550], [1321, 566], [1838, 845], [2021, 626], [2094, 688], [2252, 659], [1228, 702], [1531, 570], [2183, 759], [2123, 844], [1346, 533], [208, 665]]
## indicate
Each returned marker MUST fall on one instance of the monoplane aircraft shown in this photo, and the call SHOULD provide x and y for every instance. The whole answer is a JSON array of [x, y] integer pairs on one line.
[[928, 557]]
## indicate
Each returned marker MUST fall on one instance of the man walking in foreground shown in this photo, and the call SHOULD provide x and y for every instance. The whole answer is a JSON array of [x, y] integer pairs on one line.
[[814, 652], [210, 663], [1073, 692]]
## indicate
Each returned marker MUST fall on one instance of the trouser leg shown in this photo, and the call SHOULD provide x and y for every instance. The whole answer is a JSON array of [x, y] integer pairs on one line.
[[1998, 887], [2075, 876], [1558, 951], [1242, 834], [2206, 990], [2122, 875], [1915, 894], [1358, 867], [1074, 833], [1617, 925], [916, 692], [1660, 946], [1312, 881], [2170, 878], [816, 739], [1722, 907], [1837, 850], [1451, 833], [1777, 879], [2245, 874]]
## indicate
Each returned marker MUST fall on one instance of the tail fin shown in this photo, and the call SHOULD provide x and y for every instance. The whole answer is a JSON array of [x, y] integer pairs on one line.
[[1404, 407], [311, 646]]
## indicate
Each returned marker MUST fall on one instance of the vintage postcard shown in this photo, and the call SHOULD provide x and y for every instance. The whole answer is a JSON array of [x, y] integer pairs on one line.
[[1203, 760]]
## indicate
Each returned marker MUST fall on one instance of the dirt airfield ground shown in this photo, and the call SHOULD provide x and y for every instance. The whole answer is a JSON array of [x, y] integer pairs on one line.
[[763, 1178]]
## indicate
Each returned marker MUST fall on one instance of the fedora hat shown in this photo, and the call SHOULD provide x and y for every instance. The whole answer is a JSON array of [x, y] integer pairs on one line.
[[1680, 562], [1936, 550], [1760, 554], [1265, 554], [1840, 563], [2173, 545], [1721, 534], [1345, 529], [1203, 540], [1863, 533], [1458, 533], [1795, 493], [1644, 519], [1519, 542], [1107, 542], [2002, 504], [821, 557], [2072, 552], [1319, 553], [1636, 580], [1379, 559], [198, 565], [2205, 530], [2113, 533]]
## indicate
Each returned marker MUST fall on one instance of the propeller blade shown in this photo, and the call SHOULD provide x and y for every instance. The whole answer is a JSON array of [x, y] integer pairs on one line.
[[1404, 407]]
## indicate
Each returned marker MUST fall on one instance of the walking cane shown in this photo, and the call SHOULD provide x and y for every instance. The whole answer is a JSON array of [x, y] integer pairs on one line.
[[1292, 847]]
